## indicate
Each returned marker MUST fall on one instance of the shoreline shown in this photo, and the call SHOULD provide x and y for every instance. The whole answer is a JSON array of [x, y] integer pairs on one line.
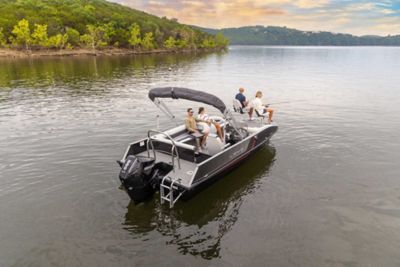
[[14, 53]]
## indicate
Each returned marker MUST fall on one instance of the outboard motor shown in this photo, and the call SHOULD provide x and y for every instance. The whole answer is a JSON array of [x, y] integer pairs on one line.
[[233, 137], [137, 177]]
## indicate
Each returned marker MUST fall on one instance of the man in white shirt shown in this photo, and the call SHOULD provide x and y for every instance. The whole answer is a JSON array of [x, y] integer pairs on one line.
[[258, 106]]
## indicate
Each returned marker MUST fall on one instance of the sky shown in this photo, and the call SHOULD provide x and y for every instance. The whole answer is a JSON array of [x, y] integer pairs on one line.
[[358, 17]]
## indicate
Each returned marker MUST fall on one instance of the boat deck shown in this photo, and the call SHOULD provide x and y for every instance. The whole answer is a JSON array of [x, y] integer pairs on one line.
[[244, 121], [187, 168], [184, 173]]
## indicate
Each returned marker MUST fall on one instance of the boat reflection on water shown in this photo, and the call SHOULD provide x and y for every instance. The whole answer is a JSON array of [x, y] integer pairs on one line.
[[198, 225]]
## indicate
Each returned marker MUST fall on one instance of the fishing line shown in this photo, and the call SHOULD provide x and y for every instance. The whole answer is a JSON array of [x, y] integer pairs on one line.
[[288, 102]]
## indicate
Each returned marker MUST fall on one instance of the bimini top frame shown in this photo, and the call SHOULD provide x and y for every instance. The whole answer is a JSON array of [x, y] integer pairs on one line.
[[188, 94], [192, 95]]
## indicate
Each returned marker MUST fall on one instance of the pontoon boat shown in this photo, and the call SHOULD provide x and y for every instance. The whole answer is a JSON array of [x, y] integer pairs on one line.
[[171, 162]]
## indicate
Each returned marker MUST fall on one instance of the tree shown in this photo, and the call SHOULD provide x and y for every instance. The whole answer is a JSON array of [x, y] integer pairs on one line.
[[134, 39], [148, 41], [220, 40], [185, 38], [170, 43], [87, 40], [208, 43], [22, 34], [121, 37], [182, 43], [113, 24], [2, 38], [58, 41], [39, 35], [73, 36], [109, 32], [95, 36], [158, 36]]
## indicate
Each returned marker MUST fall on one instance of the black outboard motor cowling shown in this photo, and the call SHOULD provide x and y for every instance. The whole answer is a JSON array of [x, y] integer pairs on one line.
[[136, 176]]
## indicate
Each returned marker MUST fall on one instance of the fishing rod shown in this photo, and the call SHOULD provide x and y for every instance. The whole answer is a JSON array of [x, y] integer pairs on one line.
[[285, 102]]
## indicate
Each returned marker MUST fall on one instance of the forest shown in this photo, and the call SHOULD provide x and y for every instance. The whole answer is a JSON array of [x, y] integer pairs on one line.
[[272, 35], [94, 24]]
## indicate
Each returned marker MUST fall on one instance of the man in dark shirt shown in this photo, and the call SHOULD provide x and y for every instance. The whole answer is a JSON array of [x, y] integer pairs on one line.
[[240, 96]]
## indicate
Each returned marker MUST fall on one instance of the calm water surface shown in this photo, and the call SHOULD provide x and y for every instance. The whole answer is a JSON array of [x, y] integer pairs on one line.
[[326, 192]]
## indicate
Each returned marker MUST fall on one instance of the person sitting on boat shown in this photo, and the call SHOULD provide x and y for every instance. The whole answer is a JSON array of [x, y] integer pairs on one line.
[[191, 126], [241, 97], [257, 105], [204, 120]]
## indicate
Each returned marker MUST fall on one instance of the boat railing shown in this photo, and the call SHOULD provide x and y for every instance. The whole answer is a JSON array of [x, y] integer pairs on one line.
[[174, 148]]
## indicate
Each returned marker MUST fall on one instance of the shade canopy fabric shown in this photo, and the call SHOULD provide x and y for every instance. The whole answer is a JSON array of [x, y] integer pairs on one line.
[[188, 94]]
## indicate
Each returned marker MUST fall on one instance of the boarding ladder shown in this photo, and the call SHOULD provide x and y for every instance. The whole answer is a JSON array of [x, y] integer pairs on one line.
[[167, 184], [171, 188]]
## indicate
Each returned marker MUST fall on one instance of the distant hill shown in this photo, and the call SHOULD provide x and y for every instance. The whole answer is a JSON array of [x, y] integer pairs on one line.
[[93, 23], [271, 35]]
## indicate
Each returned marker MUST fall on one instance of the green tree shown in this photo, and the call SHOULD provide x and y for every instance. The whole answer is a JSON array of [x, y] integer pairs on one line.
[[170, 43], [95, 37], [185, 38], [220, 40], [22, 34], [109, 32], [39, 35], [183, 42], [87, 41], [73, 36], [2, 38], [158, 36], [58, 41], [208, 43], [134, 39], [121, 37], [148, 41], [115, 26]]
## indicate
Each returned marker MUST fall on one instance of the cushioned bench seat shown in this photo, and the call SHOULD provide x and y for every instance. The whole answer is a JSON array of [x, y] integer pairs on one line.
[[184, 137], [179, 135]]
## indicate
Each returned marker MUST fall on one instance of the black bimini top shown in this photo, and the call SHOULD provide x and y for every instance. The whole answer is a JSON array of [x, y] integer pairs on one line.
[[188, 94]]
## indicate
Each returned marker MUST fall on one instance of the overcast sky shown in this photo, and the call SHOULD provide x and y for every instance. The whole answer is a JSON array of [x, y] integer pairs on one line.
[[358, 17]]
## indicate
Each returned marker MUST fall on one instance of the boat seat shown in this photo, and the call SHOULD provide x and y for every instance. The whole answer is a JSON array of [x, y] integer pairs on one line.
[[186, 137], [180, 136], [266, 114], [237, 107], [164, 144], [259, 115], [176, 131], [181, 144]]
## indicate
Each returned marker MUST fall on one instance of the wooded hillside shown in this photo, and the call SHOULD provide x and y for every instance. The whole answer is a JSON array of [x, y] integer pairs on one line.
[[271, 35], [38, 24]]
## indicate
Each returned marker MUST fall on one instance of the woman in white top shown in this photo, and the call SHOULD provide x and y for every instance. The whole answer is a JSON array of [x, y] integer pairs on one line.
[[205, 120], [260, 108]]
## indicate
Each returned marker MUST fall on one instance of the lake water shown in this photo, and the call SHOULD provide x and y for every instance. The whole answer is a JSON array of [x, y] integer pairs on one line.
[[325, 192]]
